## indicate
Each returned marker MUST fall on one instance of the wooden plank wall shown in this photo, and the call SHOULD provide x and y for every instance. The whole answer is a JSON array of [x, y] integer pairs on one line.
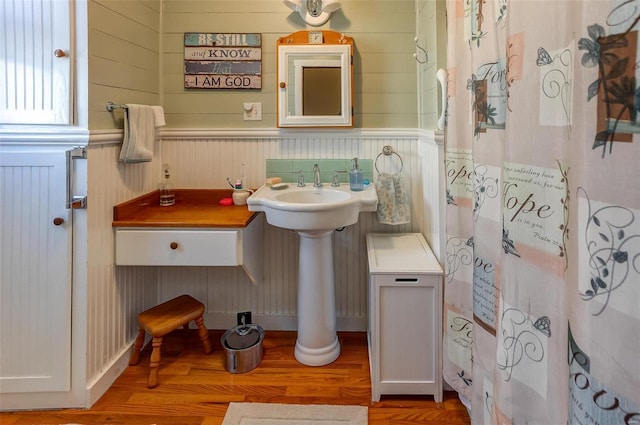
[[124, 57], [385, 71], [431, 35], [136, 51]]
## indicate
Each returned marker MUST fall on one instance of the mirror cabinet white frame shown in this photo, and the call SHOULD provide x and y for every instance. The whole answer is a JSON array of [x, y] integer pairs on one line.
[[305, 50]]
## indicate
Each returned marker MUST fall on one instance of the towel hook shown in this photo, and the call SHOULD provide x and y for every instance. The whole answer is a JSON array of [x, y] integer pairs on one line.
[[388, 151], [424, 53]]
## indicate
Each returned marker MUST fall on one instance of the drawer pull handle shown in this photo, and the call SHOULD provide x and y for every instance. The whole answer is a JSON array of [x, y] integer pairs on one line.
[[174, 245], [406, 279]]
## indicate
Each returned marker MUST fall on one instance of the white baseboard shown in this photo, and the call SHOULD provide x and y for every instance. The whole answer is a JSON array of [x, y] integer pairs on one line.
[[99, 385], [281, 322], [13, 402]]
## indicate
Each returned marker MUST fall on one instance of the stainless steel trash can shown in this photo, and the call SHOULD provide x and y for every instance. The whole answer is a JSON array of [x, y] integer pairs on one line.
[[243, 348]]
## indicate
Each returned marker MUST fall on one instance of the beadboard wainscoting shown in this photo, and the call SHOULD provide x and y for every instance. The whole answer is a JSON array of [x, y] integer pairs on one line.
[[115, 295], [204, 159]]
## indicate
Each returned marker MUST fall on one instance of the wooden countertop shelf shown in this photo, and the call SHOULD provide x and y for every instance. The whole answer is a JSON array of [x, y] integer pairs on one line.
[[193, 208]]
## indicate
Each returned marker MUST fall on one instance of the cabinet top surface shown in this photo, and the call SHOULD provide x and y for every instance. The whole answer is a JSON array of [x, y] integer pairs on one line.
[[401, 253], [193, 208]]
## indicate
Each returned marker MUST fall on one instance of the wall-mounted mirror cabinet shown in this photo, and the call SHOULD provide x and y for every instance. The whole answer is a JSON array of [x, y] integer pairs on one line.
[[315, 72]]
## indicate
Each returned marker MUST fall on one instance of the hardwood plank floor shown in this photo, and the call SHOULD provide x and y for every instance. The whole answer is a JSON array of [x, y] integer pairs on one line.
[[194, 388]]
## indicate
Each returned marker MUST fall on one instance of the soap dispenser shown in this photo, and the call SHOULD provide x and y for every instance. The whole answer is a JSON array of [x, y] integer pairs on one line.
[[167, 194], [356, 177]]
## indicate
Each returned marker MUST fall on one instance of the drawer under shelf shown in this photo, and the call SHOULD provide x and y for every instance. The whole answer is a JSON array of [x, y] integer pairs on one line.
[[157, 246], [142, 247]]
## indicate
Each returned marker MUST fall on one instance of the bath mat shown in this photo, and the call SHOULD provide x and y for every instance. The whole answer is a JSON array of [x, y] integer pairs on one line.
[[294, 414]]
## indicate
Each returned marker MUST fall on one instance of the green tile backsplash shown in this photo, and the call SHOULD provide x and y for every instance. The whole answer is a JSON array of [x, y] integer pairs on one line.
[[287, 169]]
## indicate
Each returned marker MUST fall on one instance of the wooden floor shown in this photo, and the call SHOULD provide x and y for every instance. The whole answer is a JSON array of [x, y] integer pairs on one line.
[[194, 388]]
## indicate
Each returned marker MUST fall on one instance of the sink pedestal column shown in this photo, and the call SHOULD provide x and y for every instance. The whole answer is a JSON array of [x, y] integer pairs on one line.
[[317, 343]]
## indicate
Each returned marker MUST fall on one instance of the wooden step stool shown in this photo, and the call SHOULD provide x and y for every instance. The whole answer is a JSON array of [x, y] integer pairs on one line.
[[162, 319]]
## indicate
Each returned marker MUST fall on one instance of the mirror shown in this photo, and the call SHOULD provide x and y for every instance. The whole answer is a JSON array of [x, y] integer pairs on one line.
[[315, 80]]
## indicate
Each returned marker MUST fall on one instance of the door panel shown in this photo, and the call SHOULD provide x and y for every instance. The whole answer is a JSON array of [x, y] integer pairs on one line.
[[35, 272], [38, 55]]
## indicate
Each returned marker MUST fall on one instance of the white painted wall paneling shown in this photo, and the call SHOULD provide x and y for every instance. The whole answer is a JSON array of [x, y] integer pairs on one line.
[[124, 57], [115, 294], [206, 162], [384, 69]]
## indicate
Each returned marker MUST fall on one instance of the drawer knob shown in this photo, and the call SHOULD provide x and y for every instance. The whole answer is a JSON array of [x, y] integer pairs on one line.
[[58, 221], [174, 245]]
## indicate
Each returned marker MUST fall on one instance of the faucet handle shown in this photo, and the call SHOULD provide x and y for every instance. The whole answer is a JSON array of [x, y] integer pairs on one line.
[[300, 179], [335, 182], [316, 176]]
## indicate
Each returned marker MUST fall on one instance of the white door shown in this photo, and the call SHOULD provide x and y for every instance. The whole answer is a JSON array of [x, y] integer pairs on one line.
[[35, 271]]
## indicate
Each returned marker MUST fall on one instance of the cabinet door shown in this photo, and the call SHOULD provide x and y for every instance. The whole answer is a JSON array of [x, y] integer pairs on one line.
[[37, 57], [407, 336], [35, 272]]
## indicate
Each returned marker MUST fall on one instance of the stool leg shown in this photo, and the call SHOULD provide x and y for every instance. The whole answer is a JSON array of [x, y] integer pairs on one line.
[[137, 346], [204, 336], [154, 362], [185, 332]]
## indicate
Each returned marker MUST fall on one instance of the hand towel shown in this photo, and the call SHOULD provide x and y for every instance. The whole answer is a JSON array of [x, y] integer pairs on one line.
[[393, 200], [158, 116], [140, 122]]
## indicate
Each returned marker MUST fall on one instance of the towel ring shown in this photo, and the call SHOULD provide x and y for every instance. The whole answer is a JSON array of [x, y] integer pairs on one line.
[[388, 151]]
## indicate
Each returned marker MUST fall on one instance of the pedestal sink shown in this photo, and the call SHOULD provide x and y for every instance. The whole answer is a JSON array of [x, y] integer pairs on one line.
[[314, 213]]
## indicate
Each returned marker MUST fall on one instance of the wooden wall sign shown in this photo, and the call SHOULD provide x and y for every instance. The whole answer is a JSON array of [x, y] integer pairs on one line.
[[222, 61]]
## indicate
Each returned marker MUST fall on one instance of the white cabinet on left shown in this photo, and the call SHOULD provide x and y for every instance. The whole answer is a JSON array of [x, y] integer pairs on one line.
[[38, 50], [42, 117], [35, 272]]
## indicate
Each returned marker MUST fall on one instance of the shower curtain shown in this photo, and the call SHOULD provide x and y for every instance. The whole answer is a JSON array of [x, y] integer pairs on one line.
[[542, 273]]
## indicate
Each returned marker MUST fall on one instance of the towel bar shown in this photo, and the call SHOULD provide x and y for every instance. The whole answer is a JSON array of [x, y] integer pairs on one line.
[[111, 106], [388, 151]]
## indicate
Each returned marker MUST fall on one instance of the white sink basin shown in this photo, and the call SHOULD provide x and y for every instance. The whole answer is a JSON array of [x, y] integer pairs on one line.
[[322, 196], [307, 208], [314, 214]]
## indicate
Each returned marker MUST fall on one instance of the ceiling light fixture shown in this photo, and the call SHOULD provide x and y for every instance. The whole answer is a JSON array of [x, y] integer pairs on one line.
[[314, 12]]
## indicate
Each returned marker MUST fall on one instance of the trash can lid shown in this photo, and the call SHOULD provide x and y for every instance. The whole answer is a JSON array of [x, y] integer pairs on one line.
[[242, 337]]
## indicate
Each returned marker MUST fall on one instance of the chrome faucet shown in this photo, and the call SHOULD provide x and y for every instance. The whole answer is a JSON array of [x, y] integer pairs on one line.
[[301, 179], [316, 177]]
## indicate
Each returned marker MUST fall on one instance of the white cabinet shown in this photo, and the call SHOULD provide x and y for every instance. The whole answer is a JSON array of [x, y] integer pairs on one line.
[[37, 58], [405, 316], [35, 274]]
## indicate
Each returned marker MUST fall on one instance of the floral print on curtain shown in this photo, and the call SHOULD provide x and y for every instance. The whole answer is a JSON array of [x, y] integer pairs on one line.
[[542, 273]]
